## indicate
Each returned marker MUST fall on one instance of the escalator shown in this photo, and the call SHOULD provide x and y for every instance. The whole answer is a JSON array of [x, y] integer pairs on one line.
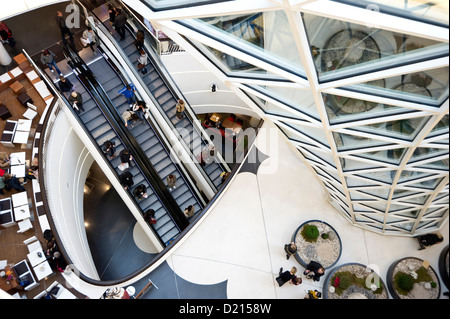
[[165, 99], [145, 135], [102, 126]]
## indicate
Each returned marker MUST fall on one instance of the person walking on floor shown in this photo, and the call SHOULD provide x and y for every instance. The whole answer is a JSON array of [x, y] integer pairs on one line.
[[429, 240], [76, 101], [314, 271], [48, 59], [285, 276], [290, 249], [6, 35], [61, 22], [119, 24]]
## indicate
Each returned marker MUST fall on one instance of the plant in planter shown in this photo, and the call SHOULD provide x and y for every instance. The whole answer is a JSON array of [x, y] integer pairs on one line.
[[310, 233], [324, 235]]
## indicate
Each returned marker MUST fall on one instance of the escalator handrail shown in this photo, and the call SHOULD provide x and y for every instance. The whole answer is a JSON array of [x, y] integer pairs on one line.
[[156, 130], [129, 141]]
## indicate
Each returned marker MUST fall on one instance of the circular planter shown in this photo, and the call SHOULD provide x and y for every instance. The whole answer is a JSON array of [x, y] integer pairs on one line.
[[443, 266], [356, 281], [420, 288], [324, 251]]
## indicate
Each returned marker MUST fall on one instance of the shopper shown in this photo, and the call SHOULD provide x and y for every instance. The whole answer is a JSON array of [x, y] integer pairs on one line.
[[90, 38], [429, 240], [11, 181], [189, 211], [314, 271], [6, 35], [180, 107], [126, 179], [129, 92], [5, 161], [140, 108], [109, 148], [286, 276], [142, 62], [120, 22], [171, 181], [126, 157], [112, 14], [140, 192], [65, 85], [140, 38], [48, 59], [290, 249], [76, 101], [61, 22], [129, 117], [149, 216]]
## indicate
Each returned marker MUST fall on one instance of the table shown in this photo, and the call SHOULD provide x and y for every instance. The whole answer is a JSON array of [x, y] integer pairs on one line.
[[17, 158], [13, 283], [34, 258], [17, 87], [19, 199], [22, 212], [24, 125], [42, 270]]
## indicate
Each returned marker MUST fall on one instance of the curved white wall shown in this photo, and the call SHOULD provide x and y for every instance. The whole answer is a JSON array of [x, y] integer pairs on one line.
[[67, 164]]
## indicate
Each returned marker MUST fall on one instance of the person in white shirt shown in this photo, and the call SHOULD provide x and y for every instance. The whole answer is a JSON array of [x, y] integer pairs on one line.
[[89, 38], [142, 62]]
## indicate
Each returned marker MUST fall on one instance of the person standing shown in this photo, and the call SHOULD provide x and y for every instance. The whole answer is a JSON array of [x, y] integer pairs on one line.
[[112, 14], [65, 85], [284, 277], [90, 38], [189, 211], [314, 271], [149, 216], [140, 38], [119, 24], [61, 22], [180, 107], [129, 118], [126, 179], [6, 35], [126, 157], [109, 147], [290, 249], [140, 108], [171, 181], [76, 101], [129, 92], [142, 61], [140, 192], [48, 59]]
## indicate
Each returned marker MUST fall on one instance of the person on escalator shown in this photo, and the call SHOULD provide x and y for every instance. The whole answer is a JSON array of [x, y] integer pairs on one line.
[[65, 85], [129, 117], [90, 38], [129, 92], [140, 38], [140, 108], [149, 216], [76, 101], [142, 61], [140, 192], [119, 24], [109, 147], [126, 179]]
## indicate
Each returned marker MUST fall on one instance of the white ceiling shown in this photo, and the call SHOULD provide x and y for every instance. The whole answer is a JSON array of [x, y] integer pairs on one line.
[[11, 8]]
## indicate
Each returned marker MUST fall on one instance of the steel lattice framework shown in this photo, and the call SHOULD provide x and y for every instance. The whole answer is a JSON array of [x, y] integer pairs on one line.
[[361, 90]]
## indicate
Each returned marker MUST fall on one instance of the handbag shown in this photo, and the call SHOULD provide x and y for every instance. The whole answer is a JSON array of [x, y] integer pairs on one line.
[[123, 166], [140, 66]]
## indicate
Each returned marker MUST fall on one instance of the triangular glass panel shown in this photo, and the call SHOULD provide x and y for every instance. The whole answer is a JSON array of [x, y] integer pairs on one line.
[[341, 48], [442, 125], [264, 34], [311, 133], [427, 87], [349, 165], [421, 153], [407, 175], [346, 142], [427, 184], [442, 164], [405, 129], [380, 176], [392, 156]]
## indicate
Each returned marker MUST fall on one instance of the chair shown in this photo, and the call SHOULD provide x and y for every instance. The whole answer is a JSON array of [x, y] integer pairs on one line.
[[24, 225], [29, 114], [33, 244], [4, 112]]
